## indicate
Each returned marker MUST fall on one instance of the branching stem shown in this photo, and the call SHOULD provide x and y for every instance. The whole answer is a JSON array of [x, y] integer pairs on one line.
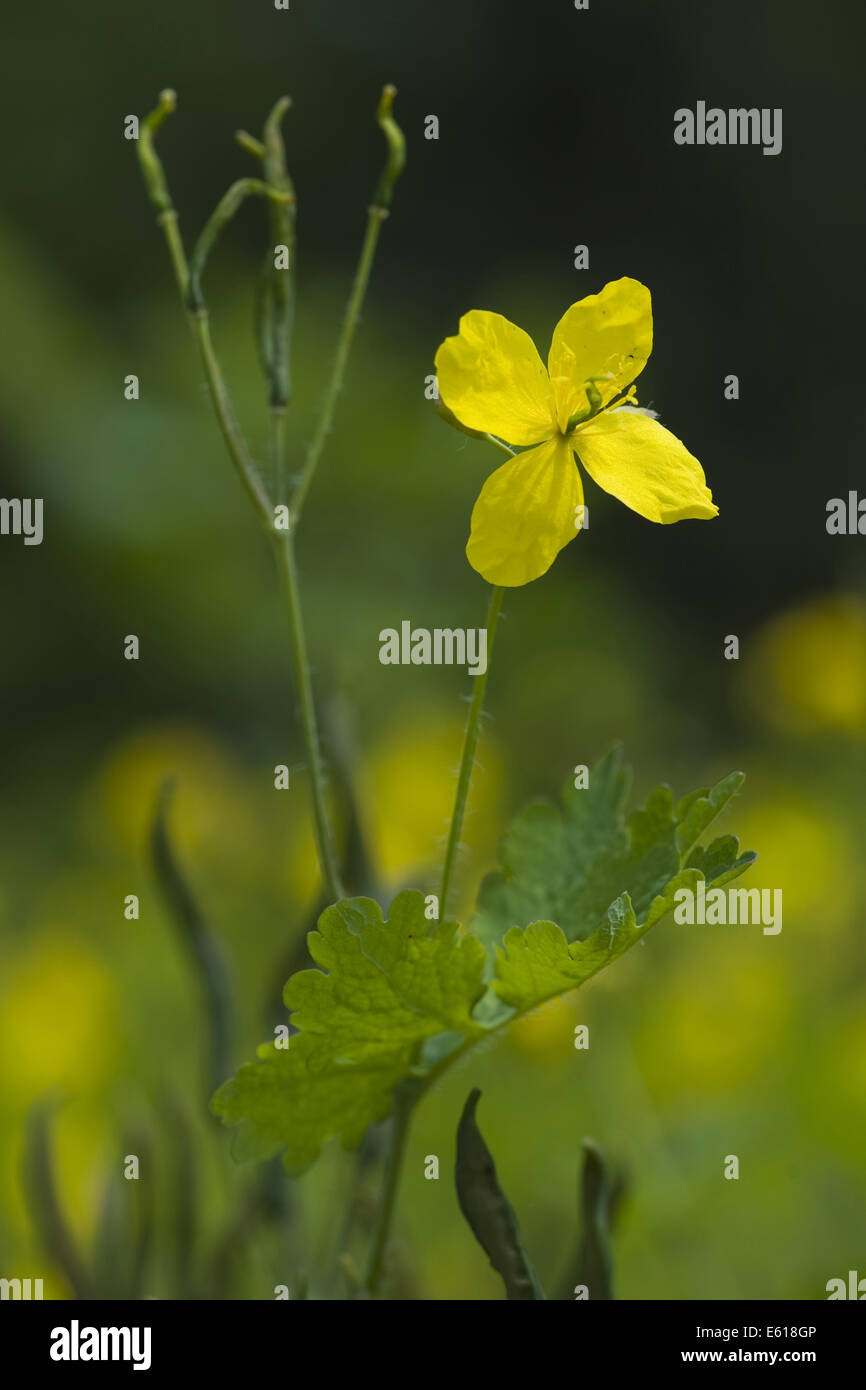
[[240, 455], [375, 218], [284, 545]]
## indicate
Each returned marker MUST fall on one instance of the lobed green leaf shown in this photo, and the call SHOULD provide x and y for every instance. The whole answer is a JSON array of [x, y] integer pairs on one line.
[[568, 864], [395, 1000], [384, 987]]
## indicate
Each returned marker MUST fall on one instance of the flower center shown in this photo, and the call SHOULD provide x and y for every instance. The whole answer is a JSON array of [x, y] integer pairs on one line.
[[596, 407]]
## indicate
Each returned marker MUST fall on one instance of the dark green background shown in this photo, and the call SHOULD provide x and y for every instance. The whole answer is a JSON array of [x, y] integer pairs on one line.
[[556, 129]]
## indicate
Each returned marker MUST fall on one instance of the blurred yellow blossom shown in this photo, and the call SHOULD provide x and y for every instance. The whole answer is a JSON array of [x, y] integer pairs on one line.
[[809, 669]]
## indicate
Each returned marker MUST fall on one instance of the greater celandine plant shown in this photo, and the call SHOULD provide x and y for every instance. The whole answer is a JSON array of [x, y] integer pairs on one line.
[[400, 994]]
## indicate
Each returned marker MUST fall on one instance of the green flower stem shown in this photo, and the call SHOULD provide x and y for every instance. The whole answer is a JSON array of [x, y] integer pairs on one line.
[[223, 213], [376, 214], [157, 188], [278, 452], [405, 1100], [198, 317], [375, 218], [167, 220], [285, 554], [231, 430], [470, 743], [284, 545], [491, 438], [263, 508]]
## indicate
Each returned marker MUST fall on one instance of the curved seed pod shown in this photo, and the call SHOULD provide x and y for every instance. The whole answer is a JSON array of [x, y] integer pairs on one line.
[[276, 305], [600, 1192], [224, 211], [596, 1252], [488, 1210], [151, 165], [396, 143]]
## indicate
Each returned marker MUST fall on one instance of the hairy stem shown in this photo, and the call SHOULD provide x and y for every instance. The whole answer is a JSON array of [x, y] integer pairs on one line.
[[278, 453], [285, 554], [376, 214], [375, 218], [404, 1104], [470, 743], [231, 431], [236, 445], [171, 231], [280, 297], [406, 1100]]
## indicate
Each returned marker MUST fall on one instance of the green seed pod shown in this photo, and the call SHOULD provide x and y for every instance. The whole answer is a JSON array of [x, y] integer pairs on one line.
[[488, 1210]]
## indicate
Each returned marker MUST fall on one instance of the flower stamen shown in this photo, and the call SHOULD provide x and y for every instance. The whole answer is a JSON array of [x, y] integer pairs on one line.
[[593, 395]]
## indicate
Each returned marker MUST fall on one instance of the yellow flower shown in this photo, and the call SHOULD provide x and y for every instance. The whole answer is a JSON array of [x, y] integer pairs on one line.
[[493, 380]]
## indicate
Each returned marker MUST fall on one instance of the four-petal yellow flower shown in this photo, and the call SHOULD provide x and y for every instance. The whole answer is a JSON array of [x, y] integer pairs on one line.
[[493, 380]]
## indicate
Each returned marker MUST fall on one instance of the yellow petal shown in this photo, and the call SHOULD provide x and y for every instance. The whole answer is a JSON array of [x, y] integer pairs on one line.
[[491, 376], [633, 458], [525, 514], [608, 334]]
